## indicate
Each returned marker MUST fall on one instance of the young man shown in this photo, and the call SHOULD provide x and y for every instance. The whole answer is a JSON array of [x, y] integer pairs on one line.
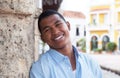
[[63, 60]]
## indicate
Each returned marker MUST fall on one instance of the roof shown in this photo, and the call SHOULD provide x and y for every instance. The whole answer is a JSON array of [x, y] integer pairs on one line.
[[100, 8], [73, 14]]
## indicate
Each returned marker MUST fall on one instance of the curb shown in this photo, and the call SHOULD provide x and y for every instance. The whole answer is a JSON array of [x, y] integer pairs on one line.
[[112, 70]]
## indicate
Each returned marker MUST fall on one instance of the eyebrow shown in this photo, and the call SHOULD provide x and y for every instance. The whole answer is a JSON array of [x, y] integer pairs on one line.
[[57, 21], [48, 26], [44, 27]]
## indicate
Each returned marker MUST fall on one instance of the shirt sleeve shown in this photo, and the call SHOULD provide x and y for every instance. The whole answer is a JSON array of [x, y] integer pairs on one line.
[[35, 71]]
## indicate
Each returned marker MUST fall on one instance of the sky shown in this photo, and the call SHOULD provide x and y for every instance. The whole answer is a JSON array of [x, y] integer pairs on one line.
[[75, 5], [82, 5]]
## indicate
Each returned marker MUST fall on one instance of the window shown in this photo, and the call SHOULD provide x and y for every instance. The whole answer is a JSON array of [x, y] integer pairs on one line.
[[101, 18], [94, 19], [94, 43], [104, 42], [77, 31], [84, 31]]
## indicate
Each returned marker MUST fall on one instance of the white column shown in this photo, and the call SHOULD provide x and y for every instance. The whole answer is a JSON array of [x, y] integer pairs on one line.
[[112, 10], [87, 39], [97, 20]]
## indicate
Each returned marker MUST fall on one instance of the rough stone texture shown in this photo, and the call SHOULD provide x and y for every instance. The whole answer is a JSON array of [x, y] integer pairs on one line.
[[16, 37], [25, 7]]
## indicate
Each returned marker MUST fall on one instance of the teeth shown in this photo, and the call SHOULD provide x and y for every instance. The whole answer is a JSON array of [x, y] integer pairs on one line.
[[59, 37]]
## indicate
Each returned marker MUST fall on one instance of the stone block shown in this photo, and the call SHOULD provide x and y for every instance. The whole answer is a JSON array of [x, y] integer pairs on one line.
[[24, 7], [16, 46]]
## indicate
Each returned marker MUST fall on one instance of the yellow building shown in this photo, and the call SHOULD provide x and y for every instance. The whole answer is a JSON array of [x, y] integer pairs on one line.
[[104, 25]]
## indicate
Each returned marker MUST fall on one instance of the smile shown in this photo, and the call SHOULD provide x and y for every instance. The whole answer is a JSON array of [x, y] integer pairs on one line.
[[59, 37]]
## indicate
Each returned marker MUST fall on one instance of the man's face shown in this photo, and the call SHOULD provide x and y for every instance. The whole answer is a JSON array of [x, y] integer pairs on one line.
[[55, 31]]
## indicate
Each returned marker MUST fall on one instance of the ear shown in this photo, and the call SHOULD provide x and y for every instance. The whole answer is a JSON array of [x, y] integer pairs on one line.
[[68, 25]]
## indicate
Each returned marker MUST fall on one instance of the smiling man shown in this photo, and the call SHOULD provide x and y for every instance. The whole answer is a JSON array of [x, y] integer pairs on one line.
[[62, 60]]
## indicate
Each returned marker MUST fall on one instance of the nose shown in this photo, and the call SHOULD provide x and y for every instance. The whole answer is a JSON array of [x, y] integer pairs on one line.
[[54, 31]]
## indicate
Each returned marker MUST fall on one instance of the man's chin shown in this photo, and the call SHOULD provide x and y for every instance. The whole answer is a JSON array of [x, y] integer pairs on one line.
[[58, 47]]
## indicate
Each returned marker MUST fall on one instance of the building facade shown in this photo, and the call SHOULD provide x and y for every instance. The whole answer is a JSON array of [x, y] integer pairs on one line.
[[77, 24], [104, 25]]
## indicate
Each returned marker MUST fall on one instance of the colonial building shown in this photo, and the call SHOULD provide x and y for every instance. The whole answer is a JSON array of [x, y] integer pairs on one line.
[[104, 25]]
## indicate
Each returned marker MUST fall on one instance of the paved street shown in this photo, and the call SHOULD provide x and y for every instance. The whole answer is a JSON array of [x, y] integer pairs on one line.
[[108, 74], [110, 62]]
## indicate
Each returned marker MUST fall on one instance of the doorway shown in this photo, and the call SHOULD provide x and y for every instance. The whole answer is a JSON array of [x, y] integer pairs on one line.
[[105, 40]]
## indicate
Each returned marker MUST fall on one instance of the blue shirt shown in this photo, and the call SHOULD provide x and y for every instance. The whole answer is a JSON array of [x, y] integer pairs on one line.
[[53, 64]]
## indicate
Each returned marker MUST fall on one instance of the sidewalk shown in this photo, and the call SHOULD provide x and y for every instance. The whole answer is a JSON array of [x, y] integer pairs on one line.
[[109, 62]]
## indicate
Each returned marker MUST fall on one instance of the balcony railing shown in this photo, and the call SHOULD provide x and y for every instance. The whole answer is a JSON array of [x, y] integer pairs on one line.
[[99, 27]]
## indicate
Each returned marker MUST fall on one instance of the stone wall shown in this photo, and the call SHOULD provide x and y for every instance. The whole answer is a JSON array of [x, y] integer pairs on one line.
[[16, 37]]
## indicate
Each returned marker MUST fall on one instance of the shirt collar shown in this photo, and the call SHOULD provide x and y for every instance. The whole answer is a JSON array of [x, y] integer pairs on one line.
[[58, 57]]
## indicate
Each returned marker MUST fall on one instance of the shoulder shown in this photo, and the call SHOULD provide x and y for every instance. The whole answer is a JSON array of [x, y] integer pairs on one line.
[[39, 67], [43, 59], [87, 58], [92, 64], [84, 56]]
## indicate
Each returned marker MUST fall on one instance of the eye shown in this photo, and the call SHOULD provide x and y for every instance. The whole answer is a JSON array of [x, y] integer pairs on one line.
[[46, 29], [58, 24]]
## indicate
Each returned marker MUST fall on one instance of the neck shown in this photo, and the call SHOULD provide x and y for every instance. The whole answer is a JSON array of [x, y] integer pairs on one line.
[[68, 51]]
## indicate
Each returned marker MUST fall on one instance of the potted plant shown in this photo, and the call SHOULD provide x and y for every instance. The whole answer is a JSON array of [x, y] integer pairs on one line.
[[111, 47], [98, 50], [82, 44]]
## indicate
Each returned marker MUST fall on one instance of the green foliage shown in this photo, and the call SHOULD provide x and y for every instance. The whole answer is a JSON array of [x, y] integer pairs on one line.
[[111, 46], [82, 44], [98, 50]]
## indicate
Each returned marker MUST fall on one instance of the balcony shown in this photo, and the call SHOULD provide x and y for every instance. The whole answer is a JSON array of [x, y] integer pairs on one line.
[[99, 27]]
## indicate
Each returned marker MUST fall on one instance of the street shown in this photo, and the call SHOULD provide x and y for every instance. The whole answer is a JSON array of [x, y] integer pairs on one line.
[[109, 62], [108, 74]]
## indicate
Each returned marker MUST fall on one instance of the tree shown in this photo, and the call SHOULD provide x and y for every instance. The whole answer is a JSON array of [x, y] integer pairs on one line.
[[51, 4]]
